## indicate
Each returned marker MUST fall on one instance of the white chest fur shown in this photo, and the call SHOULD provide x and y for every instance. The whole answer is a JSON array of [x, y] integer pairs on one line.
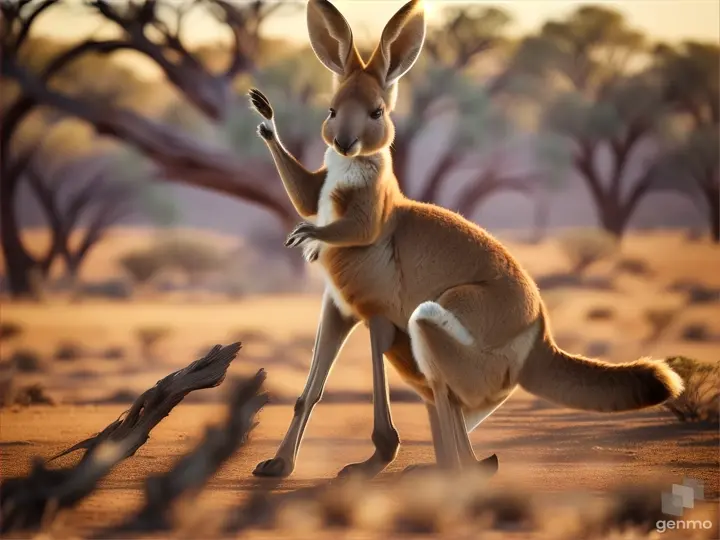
[[342, 172]]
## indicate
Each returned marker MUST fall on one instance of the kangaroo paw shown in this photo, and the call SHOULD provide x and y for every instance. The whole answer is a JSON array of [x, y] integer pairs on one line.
[[260, 103]]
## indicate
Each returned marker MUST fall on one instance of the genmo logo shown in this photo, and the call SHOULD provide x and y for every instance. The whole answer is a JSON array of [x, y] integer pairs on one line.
[[676, 524], [676, 501]]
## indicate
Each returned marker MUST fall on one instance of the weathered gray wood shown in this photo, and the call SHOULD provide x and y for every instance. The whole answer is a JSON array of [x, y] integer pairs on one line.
[[192, 471], [26, 501]]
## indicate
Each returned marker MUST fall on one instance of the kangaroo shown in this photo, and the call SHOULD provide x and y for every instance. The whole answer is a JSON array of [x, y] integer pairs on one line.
[[446, 303]]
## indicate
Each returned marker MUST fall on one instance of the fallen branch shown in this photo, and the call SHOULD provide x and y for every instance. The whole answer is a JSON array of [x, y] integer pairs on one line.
[[26, 501], [133, 428], [193, 470]]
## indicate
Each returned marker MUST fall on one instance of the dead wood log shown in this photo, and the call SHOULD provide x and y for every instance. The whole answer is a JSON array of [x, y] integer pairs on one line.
[[193, 470], [134, 426], [25, 502]]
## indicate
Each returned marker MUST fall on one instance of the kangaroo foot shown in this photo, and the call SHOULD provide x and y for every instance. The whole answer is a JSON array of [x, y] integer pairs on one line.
[[369, 468], [276, 467]]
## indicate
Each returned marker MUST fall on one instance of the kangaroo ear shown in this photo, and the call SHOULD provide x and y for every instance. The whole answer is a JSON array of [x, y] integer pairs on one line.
[[331, 38], [400, 44]]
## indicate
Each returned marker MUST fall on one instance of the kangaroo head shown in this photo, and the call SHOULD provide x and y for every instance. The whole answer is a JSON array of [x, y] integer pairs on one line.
[[365, 93]]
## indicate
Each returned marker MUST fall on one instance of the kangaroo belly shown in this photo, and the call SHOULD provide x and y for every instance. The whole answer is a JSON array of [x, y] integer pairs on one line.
[[362, 281]]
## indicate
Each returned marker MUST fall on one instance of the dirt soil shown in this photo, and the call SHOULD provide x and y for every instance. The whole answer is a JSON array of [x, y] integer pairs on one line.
[[541, 447]]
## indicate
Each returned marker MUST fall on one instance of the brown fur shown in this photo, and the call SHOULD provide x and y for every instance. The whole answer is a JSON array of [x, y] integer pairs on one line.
[[584, 383], [470, 322]]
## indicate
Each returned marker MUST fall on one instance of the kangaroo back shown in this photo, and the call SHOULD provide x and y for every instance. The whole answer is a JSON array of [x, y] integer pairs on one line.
[[583, 383]]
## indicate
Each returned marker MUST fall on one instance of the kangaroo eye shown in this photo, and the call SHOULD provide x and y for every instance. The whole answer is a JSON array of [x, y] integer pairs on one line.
[[377, 113], [333, 112]]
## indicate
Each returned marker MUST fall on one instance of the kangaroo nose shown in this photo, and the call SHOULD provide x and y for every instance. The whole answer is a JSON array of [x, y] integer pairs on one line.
[[344, 146]]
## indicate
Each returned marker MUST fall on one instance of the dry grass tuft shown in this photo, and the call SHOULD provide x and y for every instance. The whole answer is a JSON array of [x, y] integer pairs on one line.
[[9, 330], [600, 313], [27, 361], [448, 505], [700, 402], [696, 331], [69, 351], [659, 319]]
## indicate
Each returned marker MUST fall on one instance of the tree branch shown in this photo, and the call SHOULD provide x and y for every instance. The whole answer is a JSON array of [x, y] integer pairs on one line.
[[584, 163], [181, 158], [193, 470], [442, 171], [639, 189], [622, 148], [488, 183], [12, 13]]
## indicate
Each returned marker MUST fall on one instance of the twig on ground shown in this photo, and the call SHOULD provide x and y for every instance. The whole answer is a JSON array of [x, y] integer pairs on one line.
[[26, 502], [193, 470], [155, 404]]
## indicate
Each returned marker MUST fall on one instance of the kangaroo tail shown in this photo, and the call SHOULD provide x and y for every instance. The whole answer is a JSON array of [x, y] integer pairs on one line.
[[583, 383]]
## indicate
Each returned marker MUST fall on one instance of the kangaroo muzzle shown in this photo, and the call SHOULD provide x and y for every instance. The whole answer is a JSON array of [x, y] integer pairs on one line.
[[345, 145]]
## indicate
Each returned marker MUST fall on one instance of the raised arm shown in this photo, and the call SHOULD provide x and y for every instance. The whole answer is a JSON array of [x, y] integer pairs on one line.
[[302, 186]]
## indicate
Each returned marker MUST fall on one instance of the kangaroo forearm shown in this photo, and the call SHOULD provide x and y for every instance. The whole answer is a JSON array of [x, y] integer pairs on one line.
[[302, 186], [348, 232]]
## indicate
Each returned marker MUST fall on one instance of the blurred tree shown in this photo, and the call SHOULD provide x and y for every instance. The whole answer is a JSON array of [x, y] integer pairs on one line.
[[691, 85], [465, 34], [445, 81], [155, 30], [294, 82], [79, 199], [481, 139], [691, 167], [596, 102]]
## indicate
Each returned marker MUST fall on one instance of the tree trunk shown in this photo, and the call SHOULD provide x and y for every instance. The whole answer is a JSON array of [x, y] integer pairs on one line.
[[541, 216], [19, 264], [439, 175], [613, 219], [713, 197]]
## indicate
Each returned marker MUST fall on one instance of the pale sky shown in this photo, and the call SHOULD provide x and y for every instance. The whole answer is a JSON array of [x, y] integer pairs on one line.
[[671, 20], [662, 20]]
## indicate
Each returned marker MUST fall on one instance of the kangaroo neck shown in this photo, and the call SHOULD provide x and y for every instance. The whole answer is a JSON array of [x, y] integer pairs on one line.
[[379, 161]]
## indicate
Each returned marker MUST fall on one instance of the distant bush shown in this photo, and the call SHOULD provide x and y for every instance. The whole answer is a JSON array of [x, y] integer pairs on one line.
[[597, 349], [700, 402], [114, 353], [112, 288], [697, 293], [659, 319], [27, 361], [69, 351], [584, 247], [193, 257], [149, 337], [34, 394], [9, 330], [696, 332], [600, 313], [142, 265], [633, 266]]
